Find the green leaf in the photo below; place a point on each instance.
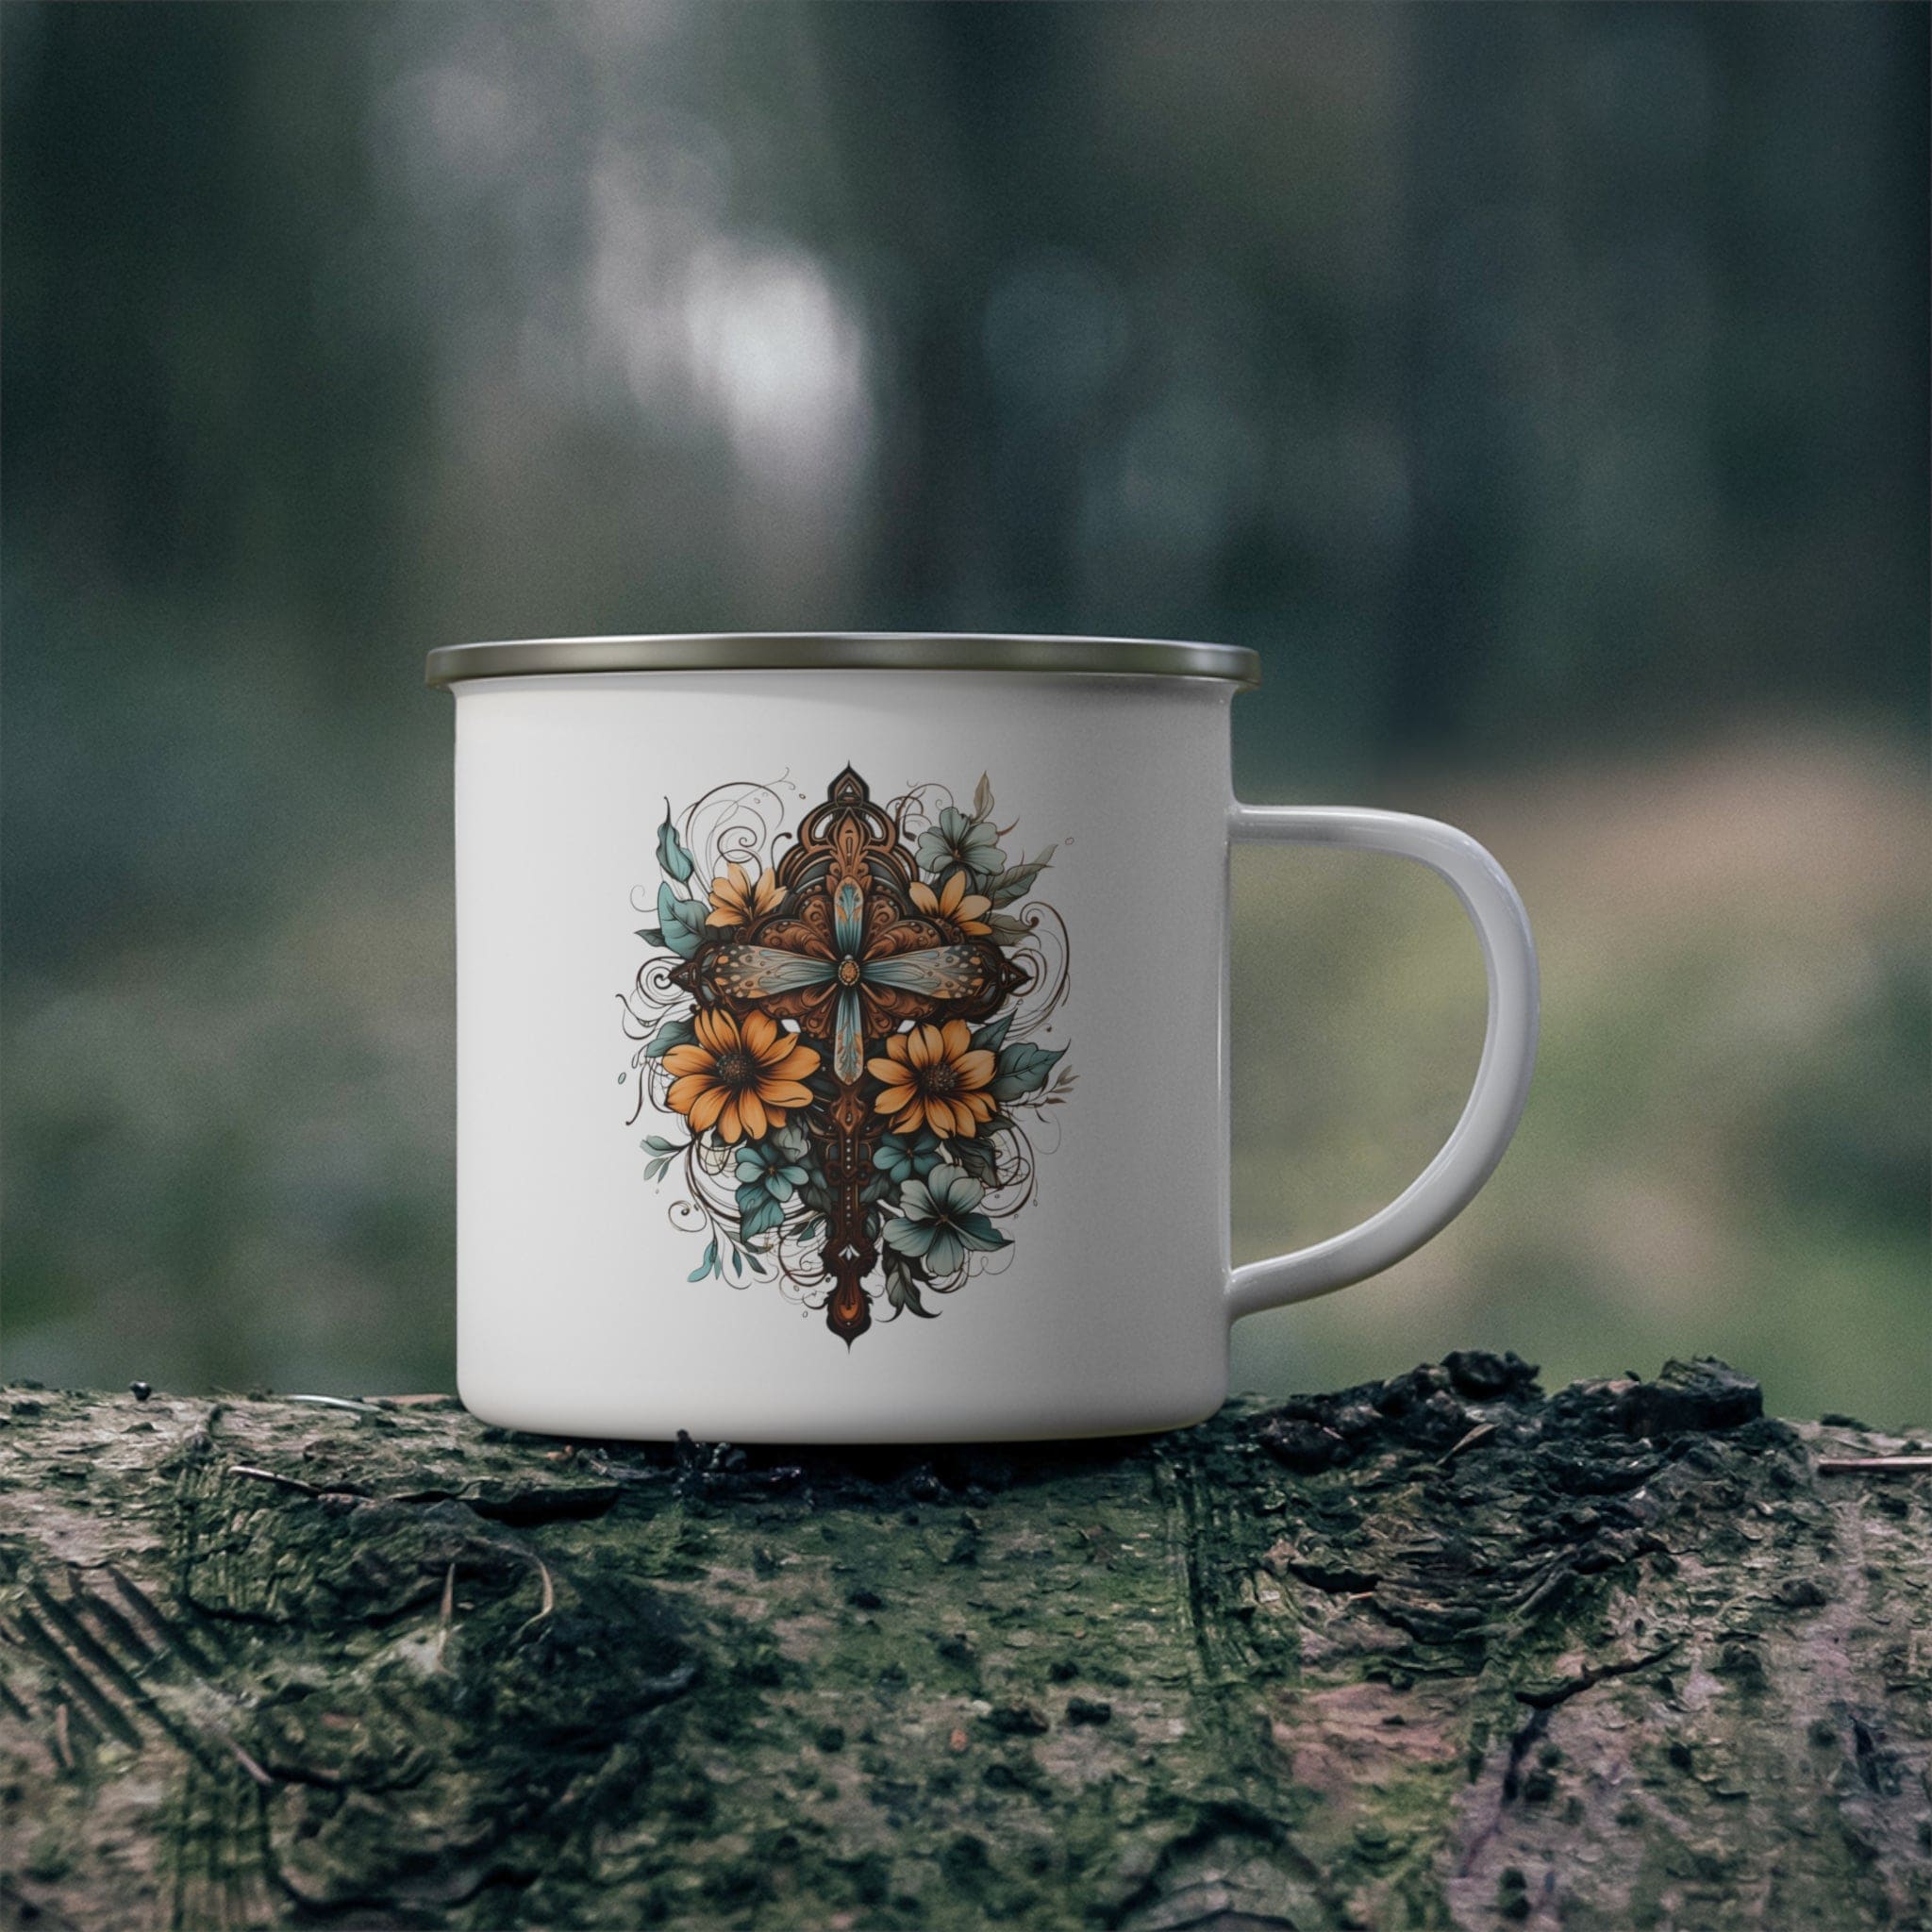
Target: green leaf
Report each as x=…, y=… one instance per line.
x=651, y=935
x=1022, y=1069
x=659, y=1145
x=1017, y=880
x=1006, y=930
x=671, y=853
x=978, y=1158
x=766, y=1215
x=902, y=1288
x=677, y=1031
x=982, y=798
x=993, y=1036
x=708, y=1264
x=683, y=921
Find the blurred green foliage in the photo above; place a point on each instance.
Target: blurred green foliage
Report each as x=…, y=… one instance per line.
x=1542, y=390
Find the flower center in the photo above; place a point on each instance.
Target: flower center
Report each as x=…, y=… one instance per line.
x=734, y=1069
x=848, y=972
x=941, y=1081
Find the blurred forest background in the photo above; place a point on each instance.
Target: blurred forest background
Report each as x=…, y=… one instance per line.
x=1542, y=390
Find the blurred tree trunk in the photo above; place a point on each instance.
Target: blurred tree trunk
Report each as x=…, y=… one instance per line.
x=1441, y=1651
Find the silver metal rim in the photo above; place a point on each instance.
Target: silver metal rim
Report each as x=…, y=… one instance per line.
x=843, y=651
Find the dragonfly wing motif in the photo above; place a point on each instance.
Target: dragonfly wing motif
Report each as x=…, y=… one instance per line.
x=848, y=1048
x=755, y=973
x=848, y=917
x=936, y=973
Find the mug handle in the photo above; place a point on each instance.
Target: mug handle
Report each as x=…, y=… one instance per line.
x=1469, y=1157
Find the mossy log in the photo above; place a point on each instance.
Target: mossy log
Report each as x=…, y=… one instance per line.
x=1437, y=1652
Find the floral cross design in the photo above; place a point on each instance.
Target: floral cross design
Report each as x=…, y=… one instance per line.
x=840, y=1025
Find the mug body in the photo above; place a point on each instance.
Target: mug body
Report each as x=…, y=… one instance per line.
x=793, y=1105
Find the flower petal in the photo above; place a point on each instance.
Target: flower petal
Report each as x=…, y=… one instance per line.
x=730, y=1124
x=955, y=1190
x=945, y=1252
x=894, y=1073
x=977, y=1231
x=686, y=1092
x=760, y=1034
x=956, y=1038
x=751, y=1114
x=915, y=1199
x=715, y=1028
x=975, y=1069
x=910, y=1237
x=799, y=1061
x=710, y=1103
x=783, y=1092
x=922, y=896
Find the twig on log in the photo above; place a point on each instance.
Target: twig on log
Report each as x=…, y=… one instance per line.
x=448, y=1611
x=549, y=1602
x=268, y=1475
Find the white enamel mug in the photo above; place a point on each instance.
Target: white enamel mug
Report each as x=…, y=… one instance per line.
x=843, y=1036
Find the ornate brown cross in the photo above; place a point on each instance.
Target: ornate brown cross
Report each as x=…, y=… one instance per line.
x=849, y=956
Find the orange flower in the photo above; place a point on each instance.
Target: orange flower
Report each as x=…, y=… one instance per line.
x=737, y=899
x=935, y=1078
x=954, y=902
x=743, y=1081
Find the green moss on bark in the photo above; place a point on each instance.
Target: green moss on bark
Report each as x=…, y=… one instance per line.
x=1441, y=1651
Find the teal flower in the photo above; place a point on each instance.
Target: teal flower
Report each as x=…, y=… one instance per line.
x=908, y=1157
x=769, y=1170
x=939, y=1222
x=959, y=842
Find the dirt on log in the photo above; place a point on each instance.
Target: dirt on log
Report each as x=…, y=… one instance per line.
x=1441, y=1651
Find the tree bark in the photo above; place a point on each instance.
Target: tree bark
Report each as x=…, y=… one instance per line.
x=1437, y=1652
